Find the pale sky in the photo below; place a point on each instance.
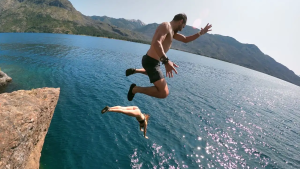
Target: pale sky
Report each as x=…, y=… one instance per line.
x=272, y=25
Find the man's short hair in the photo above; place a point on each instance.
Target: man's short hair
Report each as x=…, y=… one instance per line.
x=180, y=16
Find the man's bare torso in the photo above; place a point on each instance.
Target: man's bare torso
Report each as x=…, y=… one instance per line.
x=167, y=42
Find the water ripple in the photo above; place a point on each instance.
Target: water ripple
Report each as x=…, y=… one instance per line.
x=218, y=115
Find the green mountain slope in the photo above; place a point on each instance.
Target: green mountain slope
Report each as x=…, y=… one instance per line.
x=222, y=48
x=56, y=16
x=230, y=50
x=121, y=23
x=59, y=16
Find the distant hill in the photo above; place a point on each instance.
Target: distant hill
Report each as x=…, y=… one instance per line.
x=227, y=49
x=122, y=23
x=59, y=16
x=56, y=16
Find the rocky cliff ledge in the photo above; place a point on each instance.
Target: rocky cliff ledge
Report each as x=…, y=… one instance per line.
x=4, y=79
x=25, y=117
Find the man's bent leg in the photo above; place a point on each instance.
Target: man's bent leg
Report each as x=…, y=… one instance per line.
x=133, y=71
x=159, y=90
x=143, y=71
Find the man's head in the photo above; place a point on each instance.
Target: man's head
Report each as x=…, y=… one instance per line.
x=180, y=20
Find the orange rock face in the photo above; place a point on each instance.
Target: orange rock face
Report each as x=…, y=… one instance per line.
x=25, y=117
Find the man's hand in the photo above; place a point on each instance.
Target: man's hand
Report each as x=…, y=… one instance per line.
x=169, y=67
x=205, y=30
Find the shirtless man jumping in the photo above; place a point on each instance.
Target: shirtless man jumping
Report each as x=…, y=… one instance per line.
x=161, y=43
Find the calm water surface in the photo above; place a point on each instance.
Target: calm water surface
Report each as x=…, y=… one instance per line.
x=218, y=115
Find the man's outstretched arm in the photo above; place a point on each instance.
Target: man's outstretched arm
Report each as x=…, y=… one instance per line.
x=187, y=39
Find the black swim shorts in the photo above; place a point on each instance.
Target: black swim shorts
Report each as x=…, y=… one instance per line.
x=152, y=67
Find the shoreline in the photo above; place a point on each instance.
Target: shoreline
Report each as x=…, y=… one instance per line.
x=148, y=42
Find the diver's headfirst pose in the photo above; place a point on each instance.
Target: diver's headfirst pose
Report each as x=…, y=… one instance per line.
x=132, y=111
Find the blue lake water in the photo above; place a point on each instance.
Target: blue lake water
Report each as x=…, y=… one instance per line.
x=218, y=115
